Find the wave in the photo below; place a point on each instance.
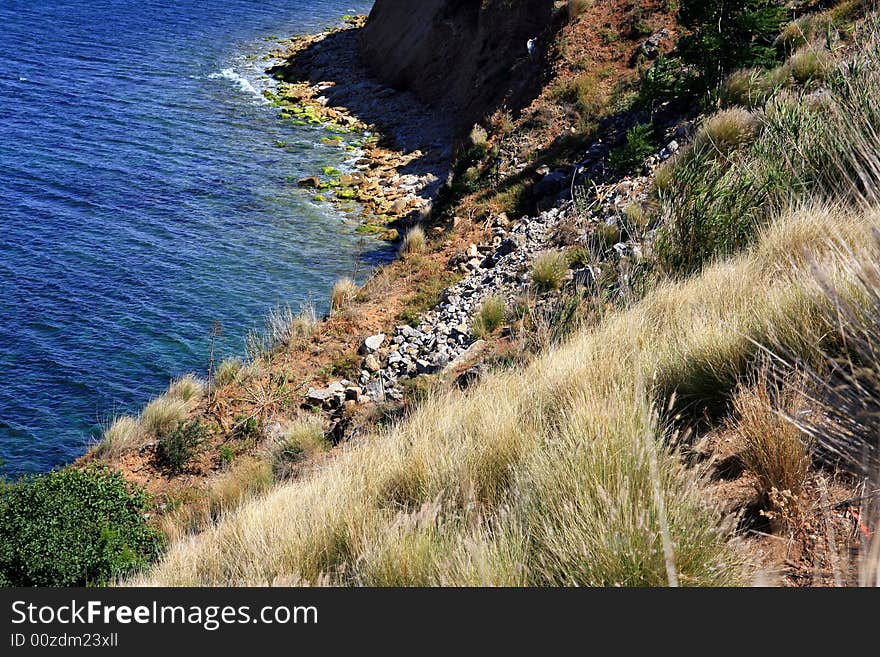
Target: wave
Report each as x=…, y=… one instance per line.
x=244, y=84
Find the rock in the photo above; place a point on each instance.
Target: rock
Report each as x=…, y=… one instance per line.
x=373, y=343
x=585, y=278
x=425, y=367
x=376, y=390
x=353, y=393
x=321, y=397
x=312, y=181
x=470, y=376
x=371, y=364
x=508, y=246
x=469, y=355
x=651, y=47
x=551, y=184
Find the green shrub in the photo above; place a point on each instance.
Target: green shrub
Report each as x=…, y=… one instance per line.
x=639, y=145
x=246, y=428
x=725, y=36
x=73, y=527
x=177, y=448
x=667, y=79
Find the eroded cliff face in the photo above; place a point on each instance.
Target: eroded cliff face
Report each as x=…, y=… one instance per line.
x=471, y=56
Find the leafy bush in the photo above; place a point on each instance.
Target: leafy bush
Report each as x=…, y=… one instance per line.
x=73, y=527
x=668, y=79
x=246, y=428
x=729, y=35
x=639, y=145
x=178, y=447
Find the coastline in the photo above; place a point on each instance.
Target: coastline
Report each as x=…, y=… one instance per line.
x=405, y=155
x=418, y=310
x=393, y=186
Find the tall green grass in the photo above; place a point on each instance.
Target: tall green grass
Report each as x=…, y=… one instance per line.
x=819, y=143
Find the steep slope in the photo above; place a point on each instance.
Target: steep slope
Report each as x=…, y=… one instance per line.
x=471, y=55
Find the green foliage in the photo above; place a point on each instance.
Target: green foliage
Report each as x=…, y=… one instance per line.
x=177, y=448
x=806, y=146
x=725, y=36
x=639, y=145
x=246, y=428
x=666, y=80
x=73, y=527
x=226, y=454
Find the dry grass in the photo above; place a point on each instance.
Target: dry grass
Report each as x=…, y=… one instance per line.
x=162, y=415
x=302, y=439
x=775, y=450
x=489, y=317
x=282, y=328
x=810, y=64
x=123, y=435
x=533, y=476
x=188, y=389
x=342, y=294
x=549, y=271
x=246, y=479
x=229, y=371
x=727, y=131
x=414, y=241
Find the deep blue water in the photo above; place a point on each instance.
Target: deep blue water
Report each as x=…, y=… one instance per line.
x=144, y=196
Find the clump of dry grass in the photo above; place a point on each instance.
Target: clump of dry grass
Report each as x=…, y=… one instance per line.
x=727, y=130
x=342, y=294
x=188, y=388
x=282, y=328
x=228, y=372
x=549, y=271
x=489, y=317
x=123, y=435
x=752, y=87
x=775, y=450
x=162, y=414
x=810, y=64
x=302, y=439
x=414, y=241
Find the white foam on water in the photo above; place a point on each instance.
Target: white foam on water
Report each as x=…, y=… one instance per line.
x=244, y=84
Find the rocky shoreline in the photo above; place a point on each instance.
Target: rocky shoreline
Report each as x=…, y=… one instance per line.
x=400, y=149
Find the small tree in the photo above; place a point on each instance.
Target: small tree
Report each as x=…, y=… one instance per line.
x=729, y=34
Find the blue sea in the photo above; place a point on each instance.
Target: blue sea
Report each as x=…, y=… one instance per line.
x=147, y=191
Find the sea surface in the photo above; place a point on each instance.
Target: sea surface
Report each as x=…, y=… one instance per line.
x=147, y=190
